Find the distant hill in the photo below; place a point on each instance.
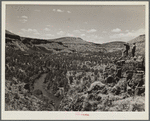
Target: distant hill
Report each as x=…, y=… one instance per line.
x=113, y=46
x=64, y=44
x=9, y=33
x=68, y=44
x=139, y=39
x=140, y=44
x=117, y=45
x=69, y=40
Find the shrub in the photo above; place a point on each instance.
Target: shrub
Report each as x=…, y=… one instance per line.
x=38, y=92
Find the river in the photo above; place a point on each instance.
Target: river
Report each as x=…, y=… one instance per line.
x=38, y=84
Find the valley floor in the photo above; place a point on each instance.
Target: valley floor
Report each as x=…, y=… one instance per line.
x=75, y=82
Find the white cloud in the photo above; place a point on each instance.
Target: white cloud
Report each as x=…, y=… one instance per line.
x=127, y=31
x=86, y=22
x=22, y=19
x=82, y=35
x=68, y=34
x=141, y=31
x=37, y=10
x=117, y=35
x=68, y=12
x=50, y=35
x=128, y=35
x=104, y=32
x=82, y=30
x=91, y=31
x=30, y=30
x=58, y=10
x=116, y=30
x=23, y=30
x=93, y=38
x=25, y=17
x=46, y=29
x=76, y=31
x=36, y=33
x=34, y=30
x=60, y=33
x=20, y=33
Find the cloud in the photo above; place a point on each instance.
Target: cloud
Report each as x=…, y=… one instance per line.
x=104, y=32
x=116, y=30
x=23, y=30
x=76, y=31
x=37, y=10
x=140, y=31
x=23, y=19
x=20, y=33
x=36, y=33
x=82, y=30
x=46, y=29
x=82, y=35
x=127, y=31
x=91, y=31
x=30, y=30
x=128, y=35
x=118, y=35
x=68, y=12
x=86, y=22
x=50, y=35
x=58, y=10
x=94, y=38
x=68, y=34
x=60, y=33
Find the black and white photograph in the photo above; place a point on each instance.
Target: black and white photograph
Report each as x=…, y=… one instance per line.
x=79, y=60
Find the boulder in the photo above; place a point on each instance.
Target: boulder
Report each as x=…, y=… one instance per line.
x=129, y=75
x=118, y=74
x=120, y=63
x=37, y=92
x=109, y=79
x=15, y=80
x=27, y=86
x=97, y=85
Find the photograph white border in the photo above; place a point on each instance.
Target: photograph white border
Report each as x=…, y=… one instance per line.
x=63, y=115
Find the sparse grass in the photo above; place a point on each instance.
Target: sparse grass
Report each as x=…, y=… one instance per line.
x=75, y=73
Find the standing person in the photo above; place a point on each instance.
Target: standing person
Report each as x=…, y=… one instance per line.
x=133, y=50
x=127, y=48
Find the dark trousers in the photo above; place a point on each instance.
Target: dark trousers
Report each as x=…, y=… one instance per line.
x=133, y=53
x=126, y=51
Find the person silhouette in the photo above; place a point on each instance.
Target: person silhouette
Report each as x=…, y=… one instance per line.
x=133, y=50
x=127, y=48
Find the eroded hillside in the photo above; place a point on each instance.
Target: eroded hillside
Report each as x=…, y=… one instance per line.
x=39, y=78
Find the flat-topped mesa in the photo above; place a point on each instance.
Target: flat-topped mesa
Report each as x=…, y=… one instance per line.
x=69, y=40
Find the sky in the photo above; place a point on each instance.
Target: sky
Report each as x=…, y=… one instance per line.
x=93, y=23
